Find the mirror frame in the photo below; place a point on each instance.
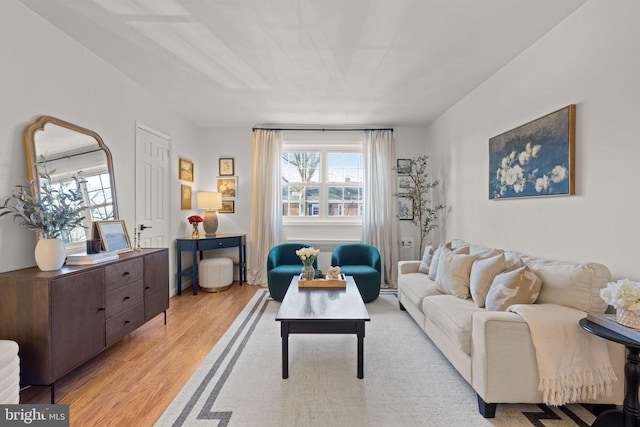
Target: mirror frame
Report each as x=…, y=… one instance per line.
x=32, y=157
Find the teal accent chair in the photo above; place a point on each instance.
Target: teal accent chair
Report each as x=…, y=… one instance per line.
x=282, y=265
x=363, y=263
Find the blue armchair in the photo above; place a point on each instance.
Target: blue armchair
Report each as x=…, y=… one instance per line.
x=282, y=265
x=363, y=263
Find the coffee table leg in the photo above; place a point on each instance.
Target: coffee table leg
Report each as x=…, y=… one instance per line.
x=360, y=333
x=284, y=333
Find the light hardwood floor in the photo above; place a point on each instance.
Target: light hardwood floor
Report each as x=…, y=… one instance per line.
x=134, y=380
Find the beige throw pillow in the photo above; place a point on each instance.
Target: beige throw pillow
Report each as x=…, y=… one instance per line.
x=453, y=273
x=520, y=286
x=483, y=272
x=426, y=258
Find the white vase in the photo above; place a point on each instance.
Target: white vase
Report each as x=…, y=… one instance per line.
x=50, y=254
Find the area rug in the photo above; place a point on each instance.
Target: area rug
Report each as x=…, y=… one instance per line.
x=407, y=381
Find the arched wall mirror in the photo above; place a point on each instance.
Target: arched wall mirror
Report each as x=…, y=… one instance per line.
x=65, y=151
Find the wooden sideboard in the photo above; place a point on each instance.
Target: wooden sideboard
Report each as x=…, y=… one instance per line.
x=62, y=318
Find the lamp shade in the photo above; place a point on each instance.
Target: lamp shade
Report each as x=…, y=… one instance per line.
x=209, y=200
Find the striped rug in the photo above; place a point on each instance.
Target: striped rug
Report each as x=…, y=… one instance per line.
x=407, y=381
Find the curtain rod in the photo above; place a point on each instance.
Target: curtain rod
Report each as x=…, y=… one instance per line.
x=324, y=129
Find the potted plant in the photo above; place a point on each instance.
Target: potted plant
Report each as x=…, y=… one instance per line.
x=51, y=212
x=423, y=211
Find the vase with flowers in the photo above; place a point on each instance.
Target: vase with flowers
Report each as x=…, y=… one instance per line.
x=624, y=295
x=195, y=220
x=51, y=211
x=307, y=256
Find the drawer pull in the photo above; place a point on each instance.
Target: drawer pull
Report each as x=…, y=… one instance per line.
x=147, y=287
x=101, y=309
x=126, y=322
x=126, y=273
x=125, y=298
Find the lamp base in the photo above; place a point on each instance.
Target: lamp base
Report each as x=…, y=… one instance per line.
x=210, y=223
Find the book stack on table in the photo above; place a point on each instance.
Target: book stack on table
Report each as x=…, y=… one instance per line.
x=90, y=259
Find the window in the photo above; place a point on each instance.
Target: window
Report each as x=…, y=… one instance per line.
x=96, y=193
x=322, y=183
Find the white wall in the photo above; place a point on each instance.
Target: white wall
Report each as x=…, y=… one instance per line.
x=591, y=60
x=44, y=72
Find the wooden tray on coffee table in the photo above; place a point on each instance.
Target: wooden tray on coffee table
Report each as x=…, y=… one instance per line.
x=341, y=282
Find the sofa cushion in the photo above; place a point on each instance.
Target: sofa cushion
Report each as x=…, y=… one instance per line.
x=453, y=273
x=573, y=284
x=426, y=258
x=519, y=286
x=416, y=286
x=454, y=316
x=483, y=272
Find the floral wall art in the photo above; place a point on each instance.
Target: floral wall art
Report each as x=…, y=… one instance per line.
x=535, y=159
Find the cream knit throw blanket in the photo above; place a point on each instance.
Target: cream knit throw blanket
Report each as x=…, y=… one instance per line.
x=574, y=365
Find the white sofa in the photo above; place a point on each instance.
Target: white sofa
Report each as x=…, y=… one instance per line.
x=493, y=350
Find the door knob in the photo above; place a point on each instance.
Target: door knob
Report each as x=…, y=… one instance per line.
x=143, y=227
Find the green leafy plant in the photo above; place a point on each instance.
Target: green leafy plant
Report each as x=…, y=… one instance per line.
x=51, y=212
x=419, y=189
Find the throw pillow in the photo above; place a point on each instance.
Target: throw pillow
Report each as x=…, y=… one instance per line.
x=433, y=267
x=453, y=273
x=483, y=271
x=426, y=258
x=520, y=286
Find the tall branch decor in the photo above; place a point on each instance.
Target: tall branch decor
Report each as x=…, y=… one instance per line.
x=418, y=188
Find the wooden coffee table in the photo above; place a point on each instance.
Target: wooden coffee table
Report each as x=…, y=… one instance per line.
x=322, y=311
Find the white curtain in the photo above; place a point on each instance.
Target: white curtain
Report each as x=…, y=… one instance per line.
x=266, y=217
x=380, y=224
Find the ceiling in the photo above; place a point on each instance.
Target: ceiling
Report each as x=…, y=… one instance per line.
x=323, y=62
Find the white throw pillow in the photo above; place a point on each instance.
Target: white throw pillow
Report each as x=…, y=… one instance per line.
x=520, y=286
x=426, y=258
x=483, y=271
x=453, y=273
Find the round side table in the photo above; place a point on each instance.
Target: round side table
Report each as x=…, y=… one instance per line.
x=630, y=414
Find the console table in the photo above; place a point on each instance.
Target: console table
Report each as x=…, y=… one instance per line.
x=630, y=414
x=197, y=245
x=60, y=319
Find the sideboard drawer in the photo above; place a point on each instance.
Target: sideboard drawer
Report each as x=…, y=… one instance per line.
x=123, y=273
x=121, y=324
x=123, y=298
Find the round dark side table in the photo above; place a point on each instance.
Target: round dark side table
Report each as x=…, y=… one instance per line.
x=630, y=414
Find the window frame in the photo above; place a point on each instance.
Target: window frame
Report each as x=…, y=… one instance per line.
x=324, y=148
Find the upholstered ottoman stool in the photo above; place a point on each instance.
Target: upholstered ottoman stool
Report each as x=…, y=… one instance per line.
x=9, y=373
x=215, y=274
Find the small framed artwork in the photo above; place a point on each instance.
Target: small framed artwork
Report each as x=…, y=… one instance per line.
x=114, y=236
x=405, y=208
x=228, y=187
x=404, y=182
x=535, y=159
x=185, y=168
x=228, y=207
x=185, y=197
x=226, y=166
x=403, y=166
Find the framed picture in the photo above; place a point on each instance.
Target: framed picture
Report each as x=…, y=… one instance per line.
x=403, y=166
x=185, y=169
x=535, y=159
x=228, y=187
x=228, y=207
x=405, y=208
x=226, y=166
x=185, y=197
x=114, y=236
x=404, y=182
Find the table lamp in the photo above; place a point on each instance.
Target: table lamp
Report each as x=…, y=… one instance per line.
x=211, y=202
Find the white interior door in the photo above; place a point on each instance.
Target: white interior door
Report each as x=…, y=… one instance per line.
x=152, y=188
